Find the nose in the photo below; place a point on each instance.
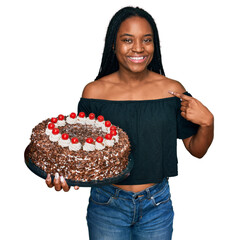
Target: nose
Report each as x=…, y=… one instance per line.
x=138, y=46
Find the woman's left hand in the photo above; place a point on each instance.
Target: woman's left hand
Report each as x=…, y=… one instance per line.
x=193, y=110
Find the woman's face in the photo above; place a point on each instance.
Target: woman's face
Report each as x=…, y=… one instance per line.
x=134, y=44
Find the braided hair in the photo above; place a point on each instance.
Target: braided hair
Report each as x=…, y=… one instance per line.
x=109, y=62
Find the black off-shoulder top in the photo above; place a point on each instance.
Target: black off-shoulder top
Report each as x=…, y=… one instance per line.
x=153, y=127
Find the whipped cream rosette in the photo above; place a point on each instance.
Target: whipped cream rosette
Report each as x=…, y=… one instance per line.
x=81, y=118
x=64, y=141
x=108, y=140
x=61, y=121
x=89, y=145
x=49, y=128
x=55, y=135
x=91, y=119
x=74, y=144
x=71, y=119
x=99, y=144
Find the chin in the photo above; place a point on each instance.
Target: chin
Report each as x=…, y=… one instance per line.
x=138, y=69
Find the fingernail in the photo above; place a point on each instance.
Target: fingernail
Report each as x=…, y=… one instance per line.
x=56, y=175
x=62, y=179
x=170, y=92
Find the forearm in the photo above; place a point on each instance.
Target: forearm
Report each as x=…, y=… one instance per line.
x=202, y=140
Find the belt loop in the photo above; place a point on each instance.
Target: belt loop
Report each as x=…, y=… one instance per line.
x=117, y=193
x=148, y=193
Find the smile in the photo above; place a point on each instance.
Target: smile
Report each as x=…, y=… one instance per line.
x=137, y=59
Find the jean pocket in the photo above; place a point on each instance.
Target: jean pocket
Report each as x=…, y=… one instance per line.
x=100, y=197
x=161, y=197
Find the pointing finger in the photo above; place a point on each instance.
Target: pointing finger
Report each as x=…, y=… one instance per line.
x=180, y=95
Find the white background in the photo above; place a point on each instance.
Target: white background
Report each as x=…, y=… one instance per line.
x=49, y=50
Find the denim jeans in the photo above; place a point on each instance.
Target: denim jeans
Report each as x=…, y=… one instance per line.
x=115, y=214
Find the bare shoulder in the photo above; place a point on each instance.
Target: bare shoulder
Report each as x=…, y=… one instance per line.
x=162, y=85
x=97, y=89
x=90, y=90
x=174, y=85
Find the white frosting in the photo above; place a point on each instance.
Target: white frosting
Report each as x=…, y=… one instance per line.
x=81, y=120
x=56, y=124
x=116, y=138
x=90, y=121
x=55, y=138
x=61, y=123
x=109, y=143
x=48, y=131
x=106, y=129
x=100, y=124
x=99, y=146
x=71, y=120
x=89, y=147
x=78, y=146
x=64, y=143
x=75, y=146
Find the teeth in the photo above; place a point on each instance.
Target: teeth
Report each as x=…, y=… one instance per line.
x=136, y=58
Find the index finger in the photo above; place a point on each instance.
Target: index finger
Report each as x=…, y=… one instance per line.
x=180, y=95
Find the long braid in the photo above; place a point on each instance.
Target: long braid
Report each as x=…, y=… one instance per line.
x=109, y=62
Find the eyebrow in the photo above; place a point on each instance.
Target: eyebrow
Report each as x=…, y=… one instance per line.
x=130, y=35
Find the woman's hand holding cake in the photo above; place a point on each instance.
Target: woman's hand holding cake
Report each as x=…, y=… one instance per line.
x=59, y=183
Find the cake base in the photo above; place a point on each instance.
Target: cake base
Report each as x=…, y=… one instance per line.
x=125, y=173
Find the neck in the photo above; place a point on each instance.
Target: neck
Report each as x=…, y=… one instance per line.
x=132, y=77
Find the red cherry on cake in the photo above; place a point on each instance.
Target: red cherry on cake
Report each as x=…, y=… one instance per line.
x=113, y=127
x=73, y=115
x=54, y=120
x=74, y=140
x=64, y=136
x=99, y=139
x=107, y=123
x=108, y=136
x=61, y=117
x=81, y=114
x=89, y=140
x=91, y=116
x=51, y=126
x=55, y=131
x=113, y=132
x=100, y=118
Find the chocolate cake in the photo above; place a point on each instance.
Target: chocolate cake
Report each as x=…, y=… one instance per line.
x=79, y=148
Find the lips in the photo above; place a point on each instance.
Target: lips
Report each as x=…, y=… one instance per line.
x=137, y=59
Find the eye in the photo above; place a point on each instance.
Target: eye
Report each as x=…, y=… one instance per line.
x=148, y=40
x=127, y=40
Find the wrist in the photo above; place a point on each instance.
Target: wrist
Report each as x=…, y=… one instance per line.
x=208, y=122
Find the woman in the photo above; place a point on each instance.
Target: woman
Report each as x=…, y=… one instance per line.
x=133, y=93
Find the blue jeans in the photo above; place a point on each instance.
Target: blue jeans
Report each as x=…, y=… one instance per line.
x=115, y=214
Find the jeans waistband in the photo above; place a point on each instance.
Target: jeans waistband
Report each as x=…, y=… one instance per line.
x=146, y=193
